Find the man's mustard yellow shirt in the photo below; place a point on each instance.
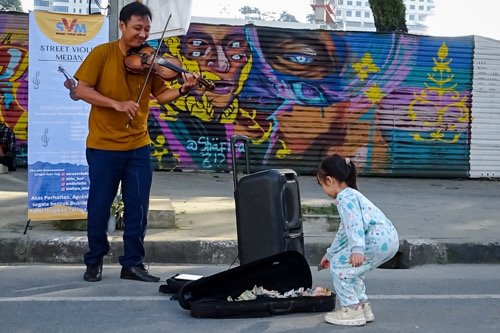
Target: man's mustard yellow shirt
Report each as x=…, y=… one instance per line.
x=104, y=69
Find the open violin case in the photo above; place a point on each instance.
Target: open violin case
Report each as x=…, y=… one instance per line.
x=282, y=272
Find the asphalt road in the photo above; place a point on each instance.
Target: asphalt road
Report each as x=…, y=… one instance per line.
x=54, y=298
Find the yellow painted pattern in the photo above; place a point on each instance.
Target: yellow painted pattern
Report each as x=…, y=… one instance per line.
x=365, y=66
x=440, y=83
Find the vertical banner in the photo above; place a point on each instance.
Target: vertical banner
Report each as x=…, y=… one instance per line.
x=57, y=120
x=180, y=12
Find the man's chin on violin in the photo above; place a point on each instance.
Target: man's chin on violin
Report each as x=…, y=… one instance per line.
x=135, y=33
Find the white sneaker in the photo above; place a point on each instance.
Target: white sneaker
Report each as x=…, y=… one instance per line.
x=4, y=168
x=367, y=309
x=347, y=316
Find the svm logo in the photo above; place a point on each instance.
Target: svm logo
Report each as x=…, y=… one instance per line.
x=72, y=29
x=69, y=29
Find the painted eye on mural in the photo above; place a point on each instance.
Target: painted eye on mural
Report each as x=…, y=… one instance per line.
x=197, y=42
x=308, y=94
x=301, y=59
x=196, y=54
x=236, y=45
x=237, y=57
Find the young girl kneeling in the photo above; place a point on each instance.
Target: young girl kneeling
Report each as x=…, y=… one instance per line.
x=365, y=239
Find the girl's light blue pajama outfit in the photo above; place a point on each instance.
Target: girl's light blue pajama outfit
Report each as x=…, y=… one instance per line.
x=363, y=229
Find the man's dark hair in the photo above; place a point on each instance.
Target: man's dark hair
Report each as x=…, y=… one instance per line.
x=134, y=8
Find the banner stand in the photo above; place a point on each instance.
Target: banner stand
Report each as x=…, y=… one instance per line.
x=58, y=181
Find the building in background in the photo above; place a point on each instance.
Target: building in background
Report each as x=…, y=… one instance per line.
x=356, y=15
x=68, y=6
x=325, y=16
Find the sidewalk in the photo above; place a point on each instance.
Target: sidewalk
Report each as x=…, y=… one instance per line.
x=438, y=220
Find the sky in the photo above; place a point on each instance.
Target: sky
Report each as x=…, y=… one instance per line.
x=452, y=17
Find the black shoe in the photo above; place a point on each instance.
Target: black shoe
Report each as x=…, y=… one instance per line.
x=93, y=272
x=138, y=273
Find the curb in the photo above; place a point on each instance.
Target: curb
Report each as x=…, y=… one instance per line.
x=47, y=249
x=421, y=252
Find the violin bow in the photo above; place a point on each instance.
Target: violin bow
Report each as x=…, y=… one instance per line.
x=152, y=65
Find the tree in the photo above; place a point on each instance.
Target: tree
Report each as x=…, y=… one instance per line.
x=11, y=5
x=311, y=18
x=246, y=10
x=287, y=17
x=389, y=15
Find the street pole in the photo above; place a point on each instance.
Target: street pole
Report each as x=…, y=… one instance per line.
x=114, y=17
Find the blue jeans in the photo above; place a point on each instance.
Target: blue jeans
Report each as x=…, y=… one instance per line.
x=106, y=169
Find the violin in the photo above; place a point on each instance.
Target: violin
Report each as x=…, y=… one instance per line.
x=70, y=83
x=139, y=60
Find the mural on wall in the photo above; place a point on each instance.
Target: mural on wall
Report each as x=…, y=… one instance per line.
x=396, y=103
x=197, y=128
x=13, y=78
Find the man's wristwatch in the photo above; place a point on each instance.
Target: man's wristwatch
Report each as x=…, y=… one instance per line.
x=183, y=93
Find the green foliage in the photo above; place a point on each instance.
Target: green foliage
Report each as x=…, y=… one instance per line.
x=323, y=210
x=287, y=17
x=11, y=5
x=117, y=209
x=311, y=18
x=284, y=16
x=389, y=15
x=246, y=10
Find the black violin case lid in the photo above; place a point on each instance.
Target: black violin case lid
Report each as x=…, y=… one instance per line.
x=207, y=297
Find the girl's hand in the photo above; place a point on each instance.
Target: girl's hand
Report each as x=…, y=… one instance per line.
x=356, y=259
x=324, y=263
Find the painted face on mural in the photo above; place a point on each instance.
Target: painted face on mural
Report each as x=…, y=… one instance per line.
x=301, y=125
x=307, y=68
x=302, y=57
x=308, y=65
x=221, y=54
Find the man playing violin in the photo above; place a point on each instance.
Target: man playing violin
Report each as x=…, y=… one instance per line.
x=118, y=141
